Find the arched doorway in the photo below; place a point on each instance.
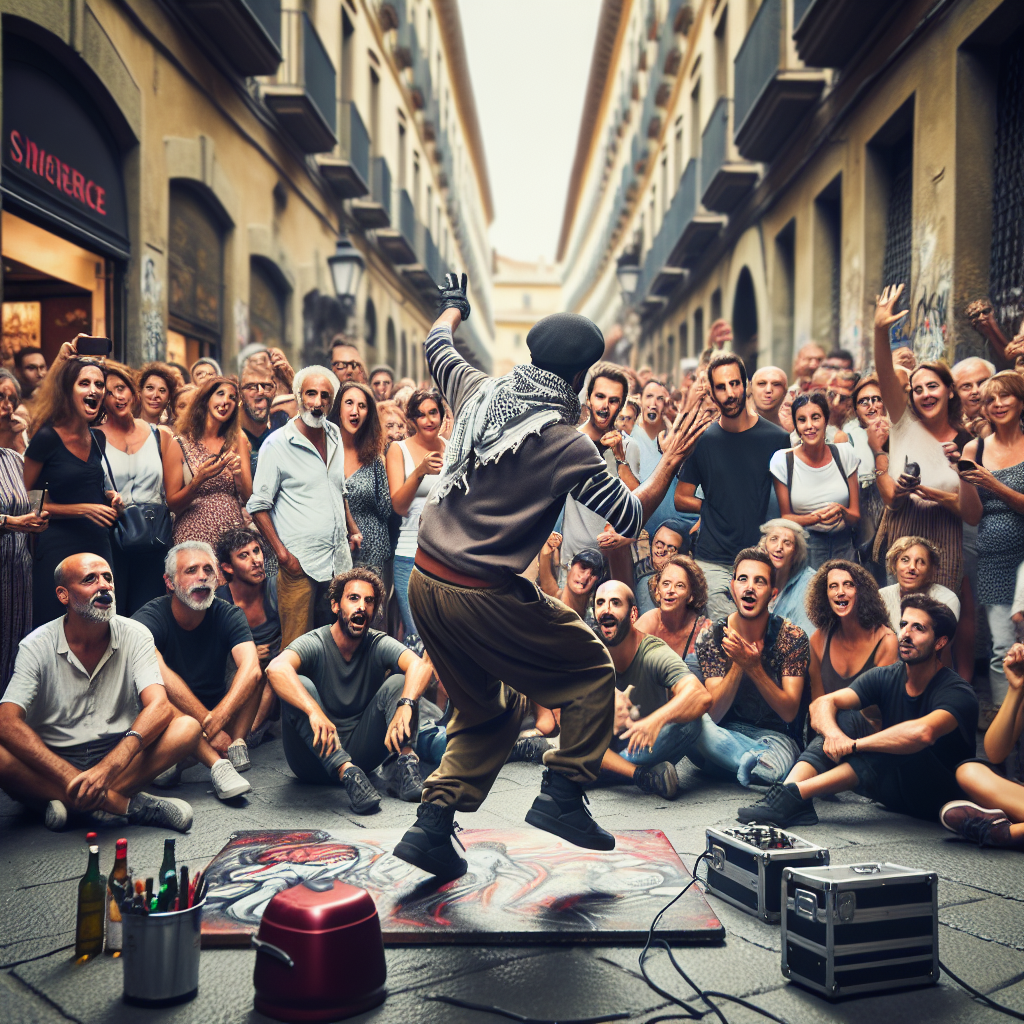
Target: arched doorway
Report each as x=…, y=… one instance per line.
x=744, y=321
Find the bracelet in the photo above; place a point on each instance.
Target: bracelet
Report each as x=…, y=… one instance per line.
x=854, y=751
x=621, y=462
x=137, y=735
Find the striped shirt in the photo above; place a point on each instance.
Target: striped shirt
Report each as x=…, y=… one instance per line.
x=499, y=525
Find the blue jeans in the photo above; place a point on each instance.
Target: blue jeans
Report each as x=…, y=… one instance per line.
x=821, y=547
x=674, y=742
x=403, y=570
x=758, y=755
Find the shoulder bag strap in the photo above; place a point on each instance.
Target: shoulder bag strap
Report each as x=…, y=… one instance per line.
x=790, y=458
x=839, y=465
x=981, y=451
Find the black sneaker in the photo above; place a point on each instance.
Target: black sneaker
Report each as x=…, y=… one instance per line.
x=428, y=844
x=361, y=794
x=530, y=748
x=402, y=778
x=781, y=806
x=658, y=778
x=560, y=810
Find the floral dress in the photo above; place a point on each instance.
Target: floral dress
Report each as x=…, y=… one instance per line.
x=369, y=501
x=216, y=507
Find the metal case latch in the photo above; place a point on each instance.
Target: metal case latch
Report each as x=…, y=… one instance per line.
x=806, y=904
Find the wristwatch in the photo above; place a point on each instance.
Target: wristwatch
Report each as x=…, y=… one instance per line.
x=408, y=701
x=854, y=751
x=621, y=462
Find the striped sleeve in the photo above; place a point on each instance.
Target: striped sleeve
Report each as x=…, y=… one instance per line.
x=456, y=378
x=613, y=501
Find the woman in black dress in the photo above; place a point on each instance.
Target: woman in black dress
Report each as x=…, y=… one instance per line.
x=65, y=458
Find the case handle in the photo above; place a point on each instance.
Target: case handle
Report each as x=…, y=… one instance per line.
x=805, y=903
x=277, y=953
x=866, y=869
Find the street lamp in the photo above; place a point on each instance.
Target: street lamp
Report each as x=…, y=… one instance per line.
x=346, y=266
x=627, y=270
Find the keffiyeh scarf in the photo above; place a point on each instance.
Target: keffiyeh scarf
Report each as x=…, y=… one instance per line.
x=499, y=417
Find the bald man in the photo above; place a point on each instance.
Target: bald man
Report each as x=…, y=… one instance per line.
x=968, y=376
x=767, y=392
x=807, y=360
x=658, y=701
x=85, y=722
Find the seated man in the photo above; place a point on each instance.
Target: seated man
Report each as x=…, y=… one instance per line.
x=201, y=642
x=652, y=683
x=994, y=814
x=754, y=666
x=671, y=538
x=585, y=572
x=929, y=718
x=347, y=703
x=85, y=722
x=240, y=556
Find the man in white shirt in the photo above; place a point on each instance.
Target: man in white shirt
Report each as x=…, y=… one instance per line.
x=298, y=502
x=85, y=722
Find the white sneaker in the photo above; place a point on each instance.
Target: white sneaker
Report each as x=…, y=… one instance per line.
x=227, y=783
x=56, y=816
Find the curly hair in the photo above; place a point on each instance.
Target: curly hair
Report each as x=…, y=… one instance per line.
x=55, y=403
x=903, y=544
x=871, y=611
x=698, y=584
x=192, y=421
x=336, y=589
x=127, y=377
x=416, y=399
x=168, y=374
x=369, y=438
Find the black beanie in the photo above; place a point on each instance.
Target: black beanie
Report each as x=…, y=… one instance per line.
x=565, y=343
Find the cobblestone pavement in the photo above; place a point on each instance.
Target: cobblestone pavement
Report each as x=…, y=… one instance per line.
x=981, y=896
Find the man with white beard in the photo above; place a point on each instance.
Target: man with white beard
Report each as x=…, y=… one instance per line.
x=85, y=722
x=196, y=636
x=298, y=502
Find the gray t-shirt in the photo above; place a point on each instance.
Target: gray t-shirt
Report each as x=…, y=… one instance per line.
x=652, y=673
x=346, y=687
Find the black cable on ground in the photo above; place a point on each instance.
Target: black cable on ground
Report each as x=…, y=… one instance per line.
x=979, y=995
x=38, y=956
x=483, y=1007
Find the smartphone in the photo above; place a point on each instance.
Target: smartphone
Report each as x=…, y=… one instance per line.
x=89, y=346
x=965, y=465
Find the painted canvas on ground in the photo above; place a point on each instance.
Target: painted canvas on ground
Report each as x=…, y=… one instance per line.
x=523, y=885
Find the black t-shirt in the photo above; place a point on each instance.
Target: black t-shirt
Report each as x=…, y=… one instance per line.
x=269, y=631
x=887, y=687
x=65, y=476
x=732, y=469
x=201, y=655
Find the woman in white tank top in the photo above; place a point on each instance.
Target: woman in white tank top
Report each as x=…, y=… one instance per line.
x=413, y=468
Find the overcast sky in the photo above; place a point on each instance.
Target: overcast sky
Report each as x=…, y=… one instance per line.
x=529, y=60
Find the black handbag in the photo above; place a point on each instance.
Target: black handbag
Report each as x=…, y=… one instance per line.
x=142, y=525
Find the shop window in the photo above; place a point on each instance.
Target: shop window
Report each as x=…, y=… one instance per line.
x=195, y=276
x=266, y=306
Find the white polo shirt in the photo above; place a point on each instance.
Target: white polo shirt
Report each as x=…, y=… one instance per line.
x=63, y=703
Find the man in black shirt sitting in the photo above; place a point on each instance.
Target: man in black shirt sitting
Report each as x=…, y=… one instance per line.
x=929, y=720
x=241, y=558
x=199, y=638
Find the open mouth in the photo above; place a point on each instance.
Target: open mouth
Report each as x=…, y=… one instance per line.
x=92, y=402
x=103, y=600
x=841, y=604
x=200, y=593
x=748, y=602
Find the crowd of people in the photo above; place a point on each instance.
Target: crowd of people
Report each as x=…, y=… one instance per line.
x=787, y=579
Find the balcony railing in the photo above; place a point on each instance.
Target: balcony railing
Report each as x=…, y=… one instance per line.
x=348, y=169
x=771, y=96
x=248, y=32
x=829, y=32
x=725, y=182
x=398, y=242
x=374, y=211
x=302, y=93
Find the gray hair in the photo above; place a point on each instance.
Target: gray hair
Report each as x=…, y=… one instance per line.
x=964, y=363
x=800, y=539
x=254, y=348
x=6, y=374
x=171, y=559
x=209, y=362
x=311, y=371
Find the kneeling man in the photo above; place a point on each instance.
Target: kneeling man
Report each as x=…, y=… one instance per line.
x=351, y=697
x=929, y=720
x=85, y=722
x=653, y=679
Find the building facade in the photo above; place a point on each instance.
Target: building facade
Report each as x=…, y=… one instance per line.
x=524, y=292
x=177, y=174
x=776, y=162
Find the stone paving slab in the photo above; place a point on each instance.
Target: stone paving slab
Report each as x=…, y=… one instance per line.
x=981, y=895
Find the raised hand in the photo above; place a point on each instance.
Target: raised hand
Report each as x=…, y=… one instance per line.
x=719, y=334
x=453, y=295
x=1013, y=666
x=885, y=313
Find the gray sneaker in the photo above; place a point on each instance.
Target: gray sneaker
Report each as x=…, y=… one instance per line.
x=159, y=811
x=55, y=817
x=402, y=778
x=227, y=783
x=363, y=797
x=238, y=755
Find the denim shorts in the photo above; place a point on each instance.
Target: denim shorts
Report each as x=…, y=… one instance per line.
x=84, y=755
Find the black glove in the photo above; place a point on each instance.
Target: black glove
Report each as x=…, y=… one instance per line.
x=452, y=295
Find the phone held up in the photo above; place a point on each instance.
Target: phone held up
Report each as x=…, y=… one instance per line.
x=85, y=345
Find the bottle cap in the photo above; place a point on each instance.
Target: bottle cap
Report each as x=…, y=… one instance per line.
x=121, y=844
x=90, y=837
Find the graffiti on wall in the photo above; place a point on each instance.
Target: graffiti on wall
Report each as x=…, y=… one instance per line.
x=152, y=312
x=931, y=319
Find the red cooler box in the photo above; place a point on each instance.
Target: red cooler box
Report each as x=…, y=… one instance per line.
x=319, y=954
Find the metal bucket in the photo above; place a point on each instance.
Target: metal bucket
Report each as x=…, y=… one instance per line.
x=161, y=957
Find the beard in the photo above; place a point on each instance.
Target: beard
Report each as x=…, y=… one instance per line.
x=197, y=604
x=315, y=420
x=91, y=611
x=354, y=625
x=621, y=630
x=731, y=407
x=911, y=655
x=260, y=415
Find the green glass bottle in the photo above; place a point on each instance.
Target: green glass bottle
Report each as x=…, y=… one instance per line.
x=168, y=864
x=92, y=903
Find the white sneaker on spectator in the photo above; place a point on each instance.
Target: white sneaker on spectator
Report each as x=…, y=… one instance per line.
x=227, y=783
x=56, y=816
x=238, y=755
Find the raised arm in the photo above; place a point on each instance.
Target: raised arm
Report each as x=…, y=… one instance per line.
x=893, y=395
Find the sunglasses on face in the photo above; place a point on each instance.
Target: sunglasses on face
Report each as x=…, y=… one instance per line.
x=870, y=400
x=259, y=387
x=663, y=549
x=345, y=364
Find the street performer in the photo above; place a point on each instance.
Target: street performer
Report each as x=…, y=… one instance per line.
x=496, y=640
